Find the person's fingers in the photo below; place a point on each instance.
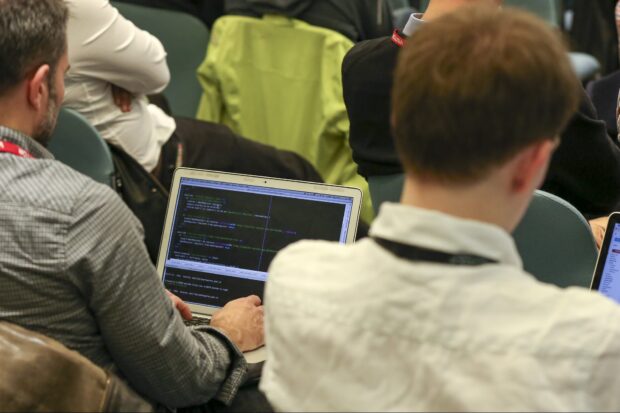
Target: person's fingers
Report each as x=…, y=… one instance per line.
x=126, y=101
x=184, y=309
x=180, y=305
x=122, y=98
x=254, y=299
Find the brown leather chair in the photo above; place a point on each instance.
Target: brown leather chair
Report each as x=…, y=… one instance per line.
x=40, y=374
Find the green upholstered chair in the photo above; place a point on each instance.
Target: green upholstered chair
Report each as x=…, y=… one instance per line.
x=556, y=242
x=77, y=143
x=549, y=10
x=553, y=239
x=385, y=188
x=185, y=39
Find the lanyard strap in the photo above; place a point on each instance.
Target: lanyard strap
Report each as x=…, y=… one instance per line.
x=398, y=39
x=413, y=253
x=13, y=149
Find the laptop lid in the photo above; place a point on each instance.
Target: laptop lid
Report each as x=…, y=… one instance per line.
x=606, y=279
x=222, y=231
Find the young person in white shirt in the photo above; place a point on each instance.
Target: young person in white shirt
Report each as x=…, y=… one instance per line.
x=434, y=312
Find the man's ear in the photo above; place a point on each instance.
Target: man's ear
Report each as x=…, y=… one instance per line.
x=38, y=87
x=531, y=165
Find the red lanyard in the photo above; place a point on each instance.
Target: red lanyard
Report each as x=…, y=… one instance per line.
x=398, y=39
x=8, y=147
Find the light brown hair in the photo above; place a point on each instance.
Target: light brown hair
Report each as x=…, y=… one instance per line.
x=475, y=87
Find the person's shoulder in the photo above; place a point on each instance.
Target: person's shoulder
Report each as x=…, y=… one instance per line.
x=52, y=185
x=81, y=8
x=380, y=50
x=579, y=320
x=309, y=250
x=313, y=261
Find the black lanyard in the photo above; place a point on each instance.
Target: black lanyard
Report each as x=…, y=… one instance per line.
x=413, y=253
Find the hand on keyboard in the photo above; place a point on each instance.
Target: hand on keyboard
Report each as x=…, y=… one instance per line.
x=242, y=322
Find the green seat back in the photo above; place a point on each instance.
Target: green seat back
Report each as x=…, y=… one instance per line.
x=185, y=39
x=77, y=143
x=385, y=188
x=553, y=239
x=556, y=242
x=548, y=10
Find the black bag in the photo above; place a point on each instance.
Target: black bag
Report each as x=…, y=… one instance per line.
x=144, y=196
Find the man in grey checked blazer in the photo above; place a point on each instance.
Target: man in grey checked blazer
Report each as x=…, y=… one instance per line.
x=72, y=264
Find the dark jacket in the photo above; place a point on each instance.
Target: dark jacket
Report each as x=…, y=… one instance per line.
x=585, y=169
x=356, y=19
x=594, y=31
x=604, y=95
x=206, y=10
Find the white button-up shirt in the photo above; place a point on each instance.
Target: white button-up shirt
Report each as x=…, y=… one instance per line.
x=106, y=49
x=354, y=328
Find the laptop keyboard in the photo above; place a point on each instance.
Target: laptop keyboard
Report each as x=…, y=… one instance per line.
x=197, y=321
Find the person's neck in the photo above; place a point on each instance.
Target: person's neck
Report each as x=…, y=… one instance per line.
x=482, y=202
x=16, y=116
x=438, y=8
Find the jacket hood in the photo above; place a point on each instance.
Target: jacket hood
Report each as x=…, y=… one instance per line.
x=290, y=8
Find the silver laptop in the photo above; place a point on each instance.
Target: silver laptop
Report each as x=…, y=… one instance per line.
x=223, y=230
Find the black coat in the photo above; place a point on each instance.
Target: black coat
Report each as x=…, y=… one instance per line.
x=594, y=31
x=356, y=19
x=206, y=10
x=585, y=169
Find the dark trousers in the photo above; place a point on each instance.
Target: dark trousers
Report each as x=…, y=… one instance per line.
x=205, y=145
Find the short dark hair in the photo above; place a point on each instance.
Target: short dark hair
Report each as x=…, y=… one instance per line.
x=475, y=87
x=32, y=33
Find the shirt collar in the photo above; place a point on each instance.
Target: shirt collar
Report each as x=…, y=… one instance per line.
x=446, y=233
x=33, y=147
x=414, y=23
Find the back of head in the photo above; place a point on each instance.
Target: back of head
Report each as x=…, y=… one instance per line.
x=32, y=33
x=474, y=88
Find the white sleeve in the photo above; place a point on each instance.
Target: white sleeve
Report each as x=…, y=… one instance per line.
x=104, y=45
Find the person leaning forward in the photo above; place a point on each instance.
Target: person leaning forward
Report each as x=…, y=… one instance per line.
x=434, y=311
x=73, y=266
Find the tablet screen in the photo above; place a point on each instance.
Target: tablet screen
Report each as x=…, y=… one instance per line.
x=609, y=282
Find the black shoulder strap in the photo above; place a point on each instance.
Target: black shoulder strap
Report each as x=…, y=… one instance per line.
x=413, y=253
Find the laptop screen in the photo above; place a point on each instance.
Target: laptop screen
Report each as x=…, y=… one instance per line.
x=609, y=284
x=225, y=235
